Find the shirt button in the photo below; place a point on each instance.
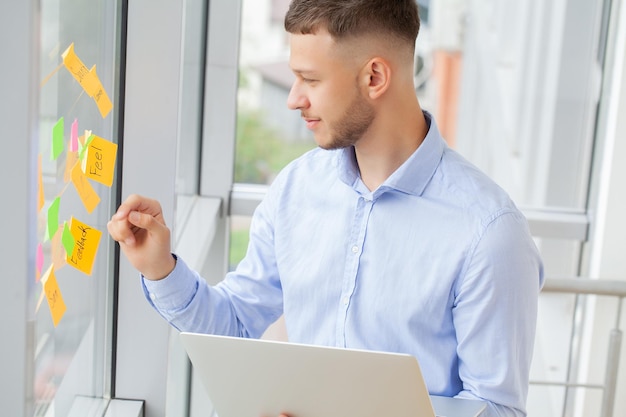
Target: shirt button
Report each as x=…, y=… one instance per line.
x=152, y=296
x=345, y=301
x=355, y=249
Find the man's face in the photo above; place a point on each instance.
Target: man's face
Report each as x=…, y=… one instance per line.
x=326, y=91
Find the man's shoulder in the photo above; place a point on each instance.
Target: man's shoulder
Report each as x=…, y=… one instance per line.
x=470, y=187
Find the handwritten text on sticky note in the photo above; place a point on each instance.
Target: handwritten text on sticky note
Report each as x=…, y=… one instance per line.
x=88, y=79
x=53, y=295
x=101, y=97
x=79, y=71
x=99, y=162
x=86, y=240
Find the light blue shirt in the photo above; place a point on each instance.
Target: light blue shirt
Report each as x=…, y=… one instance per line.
x=437, y=262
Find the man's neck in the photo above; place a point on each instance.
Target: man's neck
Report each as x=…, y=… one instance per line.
x=384, y=149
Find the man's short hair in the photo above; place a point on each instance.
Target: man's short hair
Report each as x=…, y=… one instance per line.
x=352, y=18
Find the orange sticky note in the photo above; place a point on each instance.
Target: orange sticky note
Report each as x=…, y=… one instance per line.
x=57, y=250
x=100, y=96
x=42, y=200
x=86, y=240
x=99, y=162
x=54, y=296
x=88, y=80
x=87, y=194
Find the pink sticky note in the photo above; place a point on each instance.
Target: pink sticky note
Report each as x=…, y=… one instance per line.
x=74, y=137
x=39, y=260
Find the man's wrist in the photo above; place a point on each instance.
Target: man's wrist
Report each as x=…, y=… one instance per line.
x=162, y=271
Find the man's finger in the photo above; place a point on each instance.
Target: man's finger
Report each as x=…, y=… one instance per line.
x=135, y=202
x=120, y=232
x=149, y=223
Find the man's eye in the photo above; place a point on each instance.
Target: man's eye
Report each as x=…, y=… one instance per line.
x=308, y=80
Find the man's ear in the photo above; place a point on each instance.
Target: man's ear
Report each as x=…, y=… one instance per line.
x=376, y=77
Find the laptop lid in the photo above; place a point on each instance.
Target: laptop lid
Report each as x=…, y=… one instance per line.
x=260, y=378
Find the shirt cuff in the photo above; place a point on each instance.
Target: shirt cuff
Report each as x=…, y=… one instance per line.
x=175, y=291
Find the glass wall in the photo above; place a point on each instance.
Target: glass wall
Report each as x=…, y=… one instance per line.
x=78, y=119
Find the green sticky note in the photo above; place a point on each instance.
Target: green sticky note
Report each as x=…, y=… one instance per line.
x=53, y=218
x=82, y=149
x=68, y=240
x=57, y=139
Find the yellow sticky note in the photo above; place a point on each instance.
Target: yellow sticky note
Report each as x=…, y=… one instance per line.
x=87, y=194
x=100, y=96
x=87, y=79
x=54, y=296
x=99, y=162
x=86, y=240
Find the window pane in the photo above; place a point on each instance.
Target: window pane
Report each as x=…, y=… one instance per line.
x=269, y=135
x=528, y=95
x=192, y=92
x=73, y=344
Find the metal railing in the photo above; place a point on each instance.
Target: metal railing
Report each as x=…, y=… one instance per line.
x=611, y=288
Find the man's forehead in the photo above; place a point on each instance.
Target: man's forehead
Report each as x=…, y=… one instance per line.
x=308, y=51
x=321, y=48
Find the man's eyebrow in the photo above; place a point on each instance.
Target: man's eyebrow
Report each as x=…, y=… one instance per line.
x=302, y=71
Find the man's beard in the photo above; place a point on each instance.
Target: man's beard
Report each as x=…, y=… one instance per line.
x=353, y=124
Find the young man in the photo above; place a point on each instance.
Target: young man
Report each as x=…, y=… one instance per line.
x=382, y=238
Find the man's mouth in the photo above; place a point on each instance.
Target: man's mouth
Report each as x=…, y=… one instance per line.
x=311, y=123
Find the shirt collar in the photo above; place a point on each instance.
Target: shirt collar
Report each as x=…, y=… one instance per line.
x=412, y=176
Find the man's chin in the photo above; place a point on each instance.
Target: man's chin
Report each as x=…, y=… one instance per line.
x=329, y=144
x=323, y=142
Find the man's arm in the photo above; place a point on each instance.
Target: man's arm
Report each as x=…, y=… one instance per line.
x=244, y=304
x=495, y=315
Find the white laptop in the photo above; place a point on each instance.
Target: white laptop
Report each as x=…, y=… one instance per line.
x=261, y=378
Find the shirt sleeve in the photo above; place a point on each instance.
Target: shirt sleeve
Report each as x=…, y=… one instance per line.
x=244, y=304
x=495, y=315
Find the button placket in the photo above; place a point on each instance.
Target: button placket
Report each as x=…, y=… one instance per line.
x=359, y=229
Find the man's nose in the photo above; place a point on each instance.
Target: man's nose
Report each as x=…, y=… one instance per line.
x=296, y=99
